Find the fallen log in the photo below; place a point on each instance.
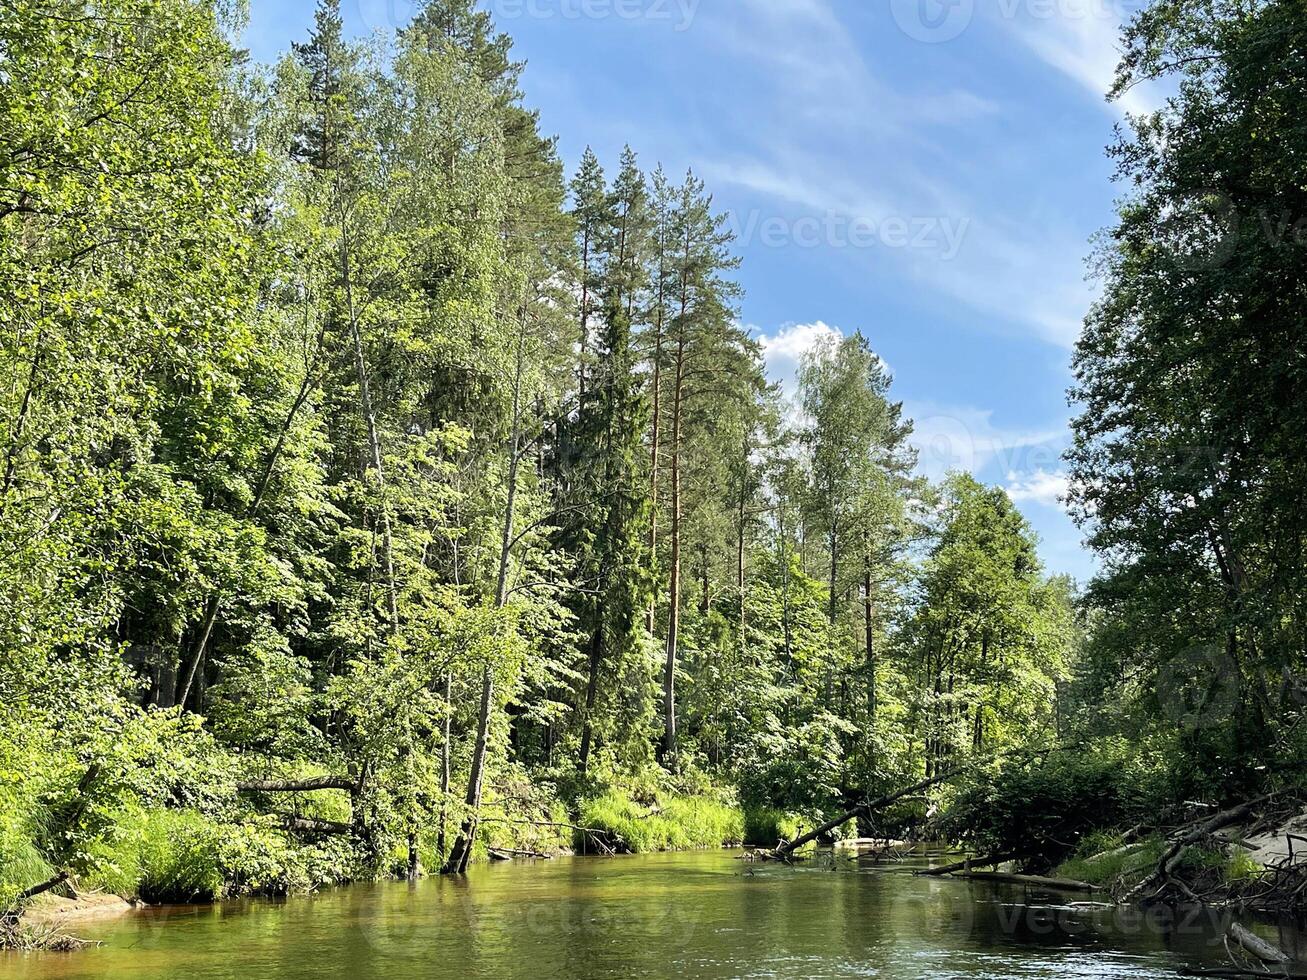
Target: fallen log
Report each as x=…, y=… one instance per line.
x=595, y=835
x=1172, y=856
x=9, y=918
x=988, y=860
x=1005, y=878
x=786, y=848
x=310, y=785
x=512, y=852
x=1256, y=945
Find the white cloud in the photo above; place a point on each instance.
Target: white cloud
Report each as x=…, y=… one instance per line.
x=963, y=437
x=786, y=347
x=1040, y=487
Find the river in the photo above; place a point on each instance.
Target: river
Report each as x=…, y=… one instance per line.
x=704, y=914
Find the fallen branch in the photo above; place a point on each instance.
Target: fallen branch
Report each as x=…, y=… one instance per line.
x=9, y=919
x=1256, y=945
x=309, y=825
x=786, y=848
x=1173, y=855
x=989, y=860
x=596, y=835
x=310, y=785
x=512, y=852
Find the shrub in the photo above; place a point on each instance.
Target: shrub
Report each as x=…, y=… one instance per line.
x=1044, y=807
x=766, y=826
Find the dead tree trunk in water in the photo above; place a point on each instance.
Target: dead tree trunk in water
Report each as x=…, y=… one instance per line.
x=783, y=851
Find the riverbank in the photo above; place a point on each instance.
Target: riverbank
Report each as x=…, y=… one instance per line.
x=184, y=856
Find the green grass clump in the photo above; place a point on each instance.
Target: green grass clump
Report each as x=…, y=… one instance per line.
x=22, y=864
x=1241, y=866
x=178, y=856
x=1102, y=860
x=679, y=823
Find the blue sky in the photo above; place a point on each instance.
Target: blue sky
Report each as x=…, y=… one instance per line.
x=929, y=172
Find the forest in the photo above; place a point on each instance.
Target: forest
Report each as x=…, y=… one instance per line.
x=380, y=496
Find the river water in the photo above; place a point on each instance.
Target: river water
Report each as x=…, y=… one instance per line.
x=704, y=914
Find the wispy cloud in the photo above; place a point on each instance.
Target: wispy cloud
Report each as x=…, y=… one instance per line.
x=1082, y=41
x=966, y=438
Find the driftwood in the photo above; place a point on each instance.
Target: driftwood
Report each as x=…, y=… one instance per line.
x=989, y=860
x=309, y=785
x=505, y=853
x=1256, y=945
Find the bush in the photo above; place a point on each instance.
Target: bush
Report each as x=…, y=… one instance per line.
x=172, y=856
x=767, y=826
x=1044, y=807
x=160, y=856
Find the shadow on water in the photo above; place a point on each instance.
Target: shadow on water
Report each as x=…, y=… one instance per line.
x=702, y=914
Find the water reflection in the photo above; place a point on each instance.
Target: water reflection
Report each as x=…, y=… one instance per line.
x=699, y=915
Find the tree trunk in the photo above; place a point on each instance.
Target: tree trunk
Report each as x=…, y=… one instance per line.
x=445, y=767
x=374, y=438
x=585, y=306
x=591, y=692
x=870, y=639
x=832, y=611
x=461, y=853
x=674, y=579
x=656, y=412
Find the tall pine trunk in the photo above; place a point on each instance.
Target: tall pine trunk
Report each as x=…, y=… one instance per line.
x=674, y=578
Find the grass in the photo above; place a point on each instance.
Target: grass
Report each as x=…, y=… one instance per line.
x=1102, y=860
x=161, y=856
x=22, y=863
x=676, y=823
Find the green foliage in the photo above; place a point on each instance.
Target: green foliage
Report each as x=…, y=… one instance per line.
x=766, y=826
x=1186, y=469
x=1044, y=807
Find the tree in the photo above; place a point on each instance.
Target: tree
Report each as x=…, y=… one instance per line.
x=703, y=345
x=1186, y=471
